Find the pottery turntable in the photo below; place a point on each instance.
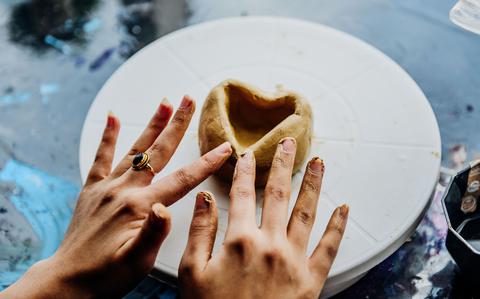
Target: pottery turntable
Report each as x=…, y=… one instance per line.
x=372, y=125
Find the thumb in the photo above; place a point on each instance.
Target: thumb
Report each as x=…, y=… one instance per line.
x=202, y=234
x=154, y=230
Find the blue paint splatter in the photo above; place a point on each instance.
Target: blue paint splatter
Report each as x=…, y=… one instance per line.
x=58, y=44
x=92, y=25
x=48, y=89
x=97, y=63
x=79, y=61
x=46, y=203
x=14, y=97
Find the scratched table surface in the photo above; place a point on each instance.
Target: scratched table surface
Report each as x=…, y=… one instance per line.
x=55, y=56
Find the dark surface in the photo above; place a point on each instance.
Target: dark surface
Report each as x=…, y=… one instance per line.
x=56, y=55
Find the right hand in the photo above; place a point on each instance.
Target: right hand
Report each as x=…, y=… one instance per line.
x=268, y=261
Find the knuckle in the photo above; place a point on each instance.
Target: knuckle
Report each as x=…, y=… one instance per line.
x=340, y=229
x=128, y=207
x=246, y=168
x=180, y=119
x=95, y=176
x=156, y=125
x=304, y=216
x=98, y=157
x=200, y=226
x=186, y=269
x=208, y=163
x=273, y=256
x=310, y=186
x=336, y=228
x=185, y=180
x=241, y=245
x=330, y=251
x=241, y=192
x=109, y=196
x=106, y=139
x=280, y=162
x=162, y=149
x=322, y=268
x=279, y=193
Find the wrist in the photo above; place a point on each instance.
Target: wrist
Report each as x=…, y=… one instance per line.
x=45, y=279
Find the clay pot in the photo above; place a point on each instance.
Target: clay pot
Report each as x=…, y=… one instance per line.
x=250, y=118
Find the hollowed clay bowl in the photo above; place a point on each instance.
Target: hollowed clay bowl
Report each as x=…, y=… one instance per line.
x=250, y=118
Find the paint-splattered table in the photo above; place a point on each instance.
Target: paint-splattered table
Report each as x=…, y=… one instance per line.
x=57, y=54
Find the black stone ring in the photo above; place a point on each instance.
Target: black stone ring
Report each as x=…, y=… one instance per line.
x=141, y=162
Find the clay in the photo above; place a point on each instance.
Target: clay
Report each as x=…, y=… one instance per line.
x=250, y=118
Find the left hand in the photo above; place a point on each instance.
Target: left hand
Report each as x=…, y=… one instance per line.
x=121, y=218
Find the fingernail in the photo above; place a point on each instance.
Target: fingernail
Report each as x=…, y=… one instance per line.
x=110, y=119
x=316, y=165
x=344, y=209
x=159, y=211
x=186, y=102
x=204, y=200
x=164, y=109
x=224, y=148
x=288, y=144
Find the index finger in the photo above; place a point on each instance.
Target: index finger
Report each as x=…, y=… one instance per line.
x=176, y=185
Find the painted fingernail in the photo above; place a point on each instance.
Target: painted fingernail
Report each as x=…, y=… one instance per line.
x=316, y=165
x=186, y=102
x=164, y=109
x=204, y=200
x=224, y=148
x=110, y=119
x=288, y=144
x=344, y=209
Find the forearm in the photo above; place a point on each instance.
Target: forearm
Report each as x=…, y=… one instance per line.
x=43, y=281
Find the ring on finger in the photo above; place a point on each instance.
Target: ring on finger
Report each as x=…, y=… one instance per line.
x=141, y=161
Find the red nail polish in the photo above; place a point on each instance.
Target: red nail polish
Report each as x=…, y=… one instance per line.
x=344, y=209
x=110, y=120
x=164, y=109
x=186, y=103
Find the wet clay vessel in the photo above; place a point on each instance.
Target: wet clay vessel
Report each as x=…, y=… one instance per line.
x=250, y=118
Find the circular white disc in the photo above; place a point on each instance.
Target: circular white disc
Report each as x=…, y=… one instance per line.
x=372, y=125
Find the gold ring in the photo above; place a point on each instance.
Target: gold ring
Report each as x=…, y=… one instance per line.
x=141, y=161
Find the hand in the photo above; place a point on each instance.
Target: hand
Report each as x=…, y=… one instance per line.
x=268, y=261
x=121, y=218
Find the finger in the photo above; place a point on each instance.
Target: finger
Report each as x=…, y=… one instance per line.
x=154, y=230
x=277, y=190
x=305, y=210
x=103, y=160
x=156, y=125
x=165, y=145
x=324, y=254
x=176, y=185
x=202, y=234
x=242, y=194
